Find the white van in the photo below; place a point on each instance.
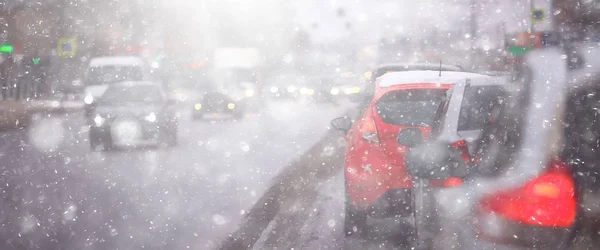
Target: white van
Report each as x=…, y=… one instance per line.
x=103, y=71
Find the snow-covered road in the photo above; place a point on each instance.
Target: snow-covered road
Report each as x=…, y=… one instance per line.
x=56, y=194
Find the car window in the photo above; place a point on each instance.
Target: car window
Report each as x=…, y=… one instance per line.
x=410, y=107
x=477, y=105
x=109, y=74
x=120, y=94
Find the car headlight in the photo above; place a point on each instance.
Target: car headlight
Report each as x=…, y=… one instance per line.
x=230, y=105
x=291, y=89
x=88, y=99
x=274, y=89
x=249, y=93
x=307, y=91
x=197, y=106
x=334, y=91
x=352, y=90
x=99, y=120
x=150, y=117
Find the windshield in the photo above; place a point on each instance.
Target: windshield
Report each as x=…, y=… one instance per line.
x=141, y=94
x=111, y=74
x=287, y=124
x=410, y=107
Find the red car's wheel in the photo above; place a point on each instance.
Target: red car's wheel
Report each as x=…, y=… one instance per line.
x=355, y=221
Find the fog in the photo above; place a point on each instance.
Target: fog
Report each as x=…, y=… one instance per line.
x=288, y=124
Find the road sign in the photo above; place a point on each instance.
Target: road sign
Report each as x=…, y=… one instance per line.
x=67, y=47
x=526, y=39
x=538, y=15
x=519, y=50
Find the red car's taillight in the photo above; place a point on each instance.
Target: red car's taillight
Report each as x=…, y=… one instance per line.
x=544, y=203
x=368, y=130
x=464, y=150
x=453, y=182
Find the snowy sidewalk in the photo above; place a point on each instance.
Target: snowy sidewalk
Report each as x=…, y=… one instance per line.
x=15, y=114
x=54, y=105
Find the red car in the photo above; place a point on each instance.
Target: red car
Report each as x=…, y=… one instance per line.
x=377, y=183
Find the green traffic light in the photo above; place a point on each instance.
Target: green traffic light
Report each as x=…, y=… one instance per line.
x=36, y=60
x=7, y=48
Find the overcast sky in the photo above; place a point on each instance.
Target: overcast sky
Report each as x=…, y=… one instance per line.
x=372, y=18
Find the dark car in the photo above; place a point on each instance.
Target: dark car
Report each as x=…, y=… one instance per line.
x=532, y=180
x=215, y=103
x=133, y=113
x=334, y=88
x=286, y=86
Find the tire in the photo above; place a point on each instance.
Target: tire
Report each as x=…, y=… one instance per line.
x=167, y=137
x=172, y=138
x=355, y=221
x=95, y=141
x=197, y=116
x=104, y=145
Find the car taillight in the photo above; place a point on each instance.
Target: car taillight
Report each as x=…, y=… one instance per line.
x=453, y=182
x=544, y=203
x=368, y=130
x=549, y=190
x=464, y=150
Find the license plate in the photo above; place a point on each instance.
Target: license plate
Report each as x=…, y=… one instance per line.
x=216, y=116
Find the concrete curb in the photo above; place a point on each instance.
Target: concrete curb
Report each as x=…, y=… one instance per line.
x=291, y=183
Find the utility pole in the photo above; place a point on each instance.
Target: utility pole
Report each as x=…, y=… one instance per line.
x=530, y=18
x=473, y=31
x=60, y=69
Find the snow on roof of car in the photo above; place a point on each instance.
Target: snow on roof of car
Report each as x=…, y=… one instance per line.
x=116, y=60
x=419, y=66
x=135, y=84
x=430, y=76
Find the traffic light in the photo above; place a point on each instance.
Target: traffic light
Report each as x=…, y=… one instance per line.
x=6, y=48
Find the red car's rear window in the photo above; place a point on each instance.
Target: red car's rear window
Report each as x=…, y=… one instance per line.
x=415, y=107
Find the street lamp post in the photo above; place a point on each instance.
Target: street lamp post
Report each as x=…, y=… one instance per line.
x=473, y=31
x=529, y=16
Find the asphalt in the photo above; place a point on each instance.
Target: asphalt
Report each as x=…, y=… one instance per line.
x=304, y=209
x=57, y=194
x=270, y=181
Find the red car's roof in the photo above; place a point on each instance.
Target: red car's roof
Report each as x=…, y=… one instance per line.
x=423, y=79
x=423, y=76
